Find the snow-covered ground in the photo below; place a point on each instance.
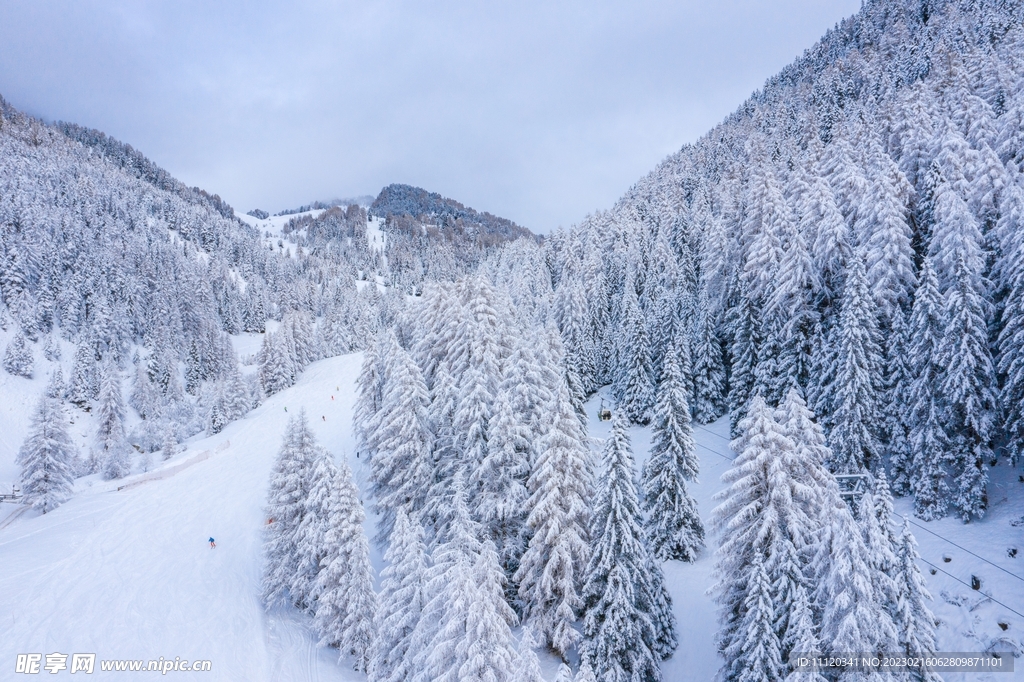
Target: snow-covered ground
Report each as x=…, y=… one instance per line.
x=129, y=575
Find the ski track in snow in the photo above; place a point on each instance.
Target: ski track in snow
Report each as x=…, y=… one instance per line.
x=130, y=575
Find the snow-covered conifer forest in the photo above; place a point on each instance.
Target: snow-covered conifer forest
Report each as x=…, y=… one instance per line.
x=771, y=402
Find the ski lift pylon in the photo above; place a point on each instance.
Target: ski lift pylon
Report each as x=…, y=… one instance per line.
x=853, y=486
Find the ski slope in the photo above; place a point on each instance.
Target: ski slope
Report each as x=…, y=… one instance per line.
x=129, y=575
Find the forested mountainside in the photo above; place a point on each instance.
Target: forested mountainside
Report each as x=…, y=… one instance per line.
x=430, y=208
x=426, y=237
x=854, y=230
x=146, y=277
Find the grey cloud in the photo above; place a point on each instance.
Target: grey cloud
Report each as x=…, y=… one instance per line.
x=537, y=111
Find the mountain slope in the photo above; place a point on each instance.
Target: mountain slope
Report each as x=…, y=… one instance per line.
x=129, y=574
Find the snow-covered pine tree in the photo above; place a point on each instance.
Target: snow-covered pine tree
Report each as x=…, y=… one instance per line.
x=401, y=467
x=915, y=624
x=401, y=602
x=83, y=386
x=790, y=315
x=708, y=366
x=170, y=443
x=51, y=349
x=1011, y=337
x=624, y=634
x=144, y=396
x=743, y=329
x=673, y=527
x=18, y=357
x=194, y=364
x=572, y=313
x=112, y=443
x=528, y=667
x=490, y=655
x=853, y=618
x=778, y=489
x=276, y=365
x=47, y=458
x=500, y=480
x=897, y=398
x=311, y=546
x=286, y=506
x=345, y=601
x=968, y=389
x=756, y=639
x=216, y=419
x=472, y=416
x=802, y=637
x=927, y=432
x=550, y=574
x=635, y=385
x=858, y=377
x=464, y=632
x=888, y=249
x=564, y=673
x=370, y=393
x=880, y=558
x=55, y=386
x=235, y=398
x=585, y=673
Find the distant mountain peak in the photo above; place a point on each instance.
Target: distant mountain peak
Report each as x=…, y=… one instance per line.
x=430, y=207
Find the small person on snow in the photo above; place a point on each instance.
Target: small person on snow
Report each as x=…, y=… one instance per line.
x=323, y=417
x=213, y=545
x=286, y=409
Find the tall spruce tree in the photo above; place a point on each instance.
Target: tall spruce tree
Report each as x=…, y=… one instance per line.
x=897, y=397
x=673, y=527
x=626, y=635
x=286, y=506
x=18, y=357
x=464, y=632
x=636, y=389
x=401, y=468
x=858, y=378
x=708, y=366
x=968, y=389
x=47, y=458
x=777, y=496
x=915, y=624
x=853, y=617
x=927, y=432
x=550, y=574
x=112, y=443
x=345, y=601
x=401, y=602
x=758, y=642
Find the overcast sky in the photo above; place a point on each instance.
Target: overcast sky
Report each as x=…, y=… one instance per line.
x=536, y=111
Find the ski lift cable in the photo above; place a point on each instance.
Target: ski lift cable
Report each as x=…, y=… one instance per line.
x=984, y=594
x=709, y=431
x=914, y=523
x=723, y=456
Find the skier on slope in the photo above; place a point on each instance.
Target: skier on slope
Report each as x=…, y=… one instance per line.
x=213, y=545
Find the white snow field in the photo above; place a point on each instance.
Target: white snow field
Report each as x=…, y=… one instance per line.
x=129, y=574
